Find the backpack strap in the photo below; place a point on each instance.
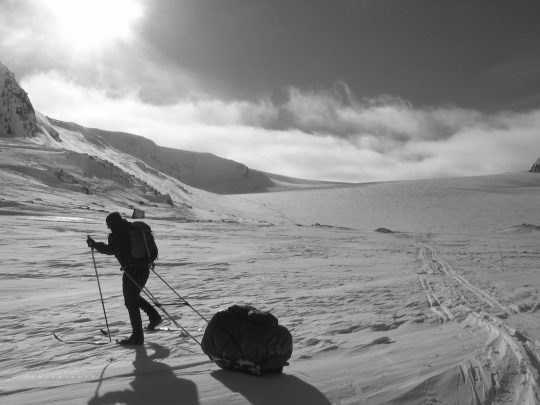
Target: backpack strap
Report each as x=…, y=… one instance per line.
x=152, y=265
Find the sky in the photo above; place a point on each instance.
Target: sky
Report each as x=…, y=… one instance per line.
x=339, y=90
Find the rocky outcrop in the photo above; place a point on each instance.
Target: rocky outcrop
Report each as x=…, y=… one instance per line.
x=536, y=167
x=17, y=115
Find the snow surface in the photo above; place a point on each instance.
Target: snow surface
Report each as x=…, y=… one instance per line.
x=421, y=292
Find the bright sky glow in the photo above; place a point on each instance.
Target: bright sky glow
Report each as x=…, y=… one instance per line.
x=94, y=24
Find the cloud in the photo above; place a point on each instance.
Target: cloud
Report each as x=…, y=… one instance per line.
x=385, y=117
x=35, y=39
x=325, y=135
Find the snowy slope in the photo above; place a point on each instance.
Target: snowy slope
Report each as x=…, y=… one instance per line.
x=77, y=175
x=201, y=170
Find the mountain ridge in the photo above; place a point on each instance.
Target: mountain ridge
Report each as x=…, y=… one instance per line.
x=50, y=165
x=201, y=170
x=197, y=169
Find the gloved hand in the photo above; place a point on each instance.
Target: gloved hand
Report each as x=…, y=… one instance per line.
x=90, y=242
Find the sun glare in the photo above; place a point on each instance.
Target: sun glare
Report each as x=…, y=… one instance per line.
x=94, y=24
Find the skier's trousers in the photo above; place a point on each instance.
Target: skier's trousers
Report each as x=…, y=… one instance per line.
x=133, y=300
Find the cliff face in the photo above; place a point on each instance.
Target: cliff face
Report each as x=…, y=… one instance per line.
x=17, y=115
x=536, y=167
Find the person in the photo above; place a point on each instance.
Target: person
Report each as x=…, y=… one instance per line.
x=136, y=273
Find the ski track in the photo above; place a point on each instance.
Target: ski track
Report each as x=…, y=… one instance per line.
x=507, y=369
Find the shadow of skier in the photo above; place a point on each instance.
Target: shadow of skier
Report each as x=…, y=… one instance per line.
x=154, y=383
x=271, y=388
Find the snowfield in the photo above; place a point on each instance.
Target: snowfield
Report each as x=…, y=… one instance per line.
x=423, y=310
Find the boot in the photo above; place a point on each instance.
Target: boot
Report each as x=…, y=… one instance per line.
x=131, y=341
x=154, y=322
x=137, y=336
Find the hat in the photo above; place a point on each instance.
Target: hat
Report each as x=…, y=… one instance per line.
x=113, y=218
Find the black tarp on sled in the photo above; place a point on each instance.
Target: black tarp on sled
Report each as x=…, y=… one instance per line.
x=246, y=339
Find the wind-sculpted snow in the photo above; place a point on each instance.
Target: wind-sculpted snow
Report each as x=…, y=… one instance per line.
x=308, y=276
x=364, y=327
x=507, y=369
x=403, y=317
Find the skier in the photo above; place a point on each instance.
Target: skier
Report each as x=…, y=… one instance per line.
x=136, y=272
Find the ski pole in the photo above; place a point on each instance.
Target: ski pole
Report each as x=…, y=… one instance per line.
x=179, y=296
x=101, y=296
x=152, y=265
x=157, y=304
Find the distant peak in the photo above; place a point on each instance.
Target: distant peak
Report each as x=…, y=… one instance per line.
x=536, y=166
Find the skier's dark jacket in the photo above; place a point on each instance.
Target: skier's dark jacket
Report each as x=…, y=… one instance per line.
x=118, y=244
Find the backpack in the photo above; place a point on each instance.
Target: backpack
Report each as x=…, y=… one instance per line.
x=142, y=242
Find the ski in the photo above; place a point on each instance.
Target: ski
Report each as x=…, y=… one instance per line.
x=79, y=341
x=167, y=329
x=156, y=329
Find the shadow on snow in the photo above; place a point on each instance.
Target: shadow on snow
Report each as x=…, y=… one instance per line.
x=271, y=388
x=154, y=383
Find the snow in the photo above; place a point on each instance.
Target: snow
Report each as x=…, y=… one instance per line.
x=443, y=309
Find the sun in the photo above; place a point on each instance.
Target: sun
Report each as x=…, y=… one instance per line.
x=94, y=24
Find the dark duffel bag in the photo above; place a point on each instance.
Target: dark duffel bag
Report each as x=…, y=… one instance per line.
x=246, y=339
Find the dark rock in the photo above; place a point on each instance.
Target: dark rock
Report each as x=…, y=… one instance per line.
x=535, y=167
x=384, y=230
x=17, y=115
